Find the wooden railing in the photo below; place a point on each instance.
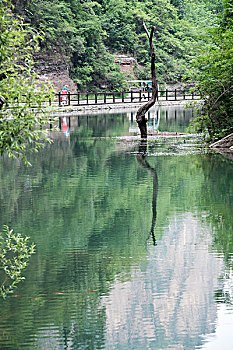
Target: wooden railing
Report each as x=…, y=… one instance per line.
x=95, y=98
x=100, y=98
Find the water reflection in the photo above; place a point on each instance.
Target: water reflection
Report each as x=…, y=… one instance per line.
x=222, y=337
x=141, y=158
x=159, y=119
x=90, y=203
x=65, y=125
x=164, y=119
x=169, y=301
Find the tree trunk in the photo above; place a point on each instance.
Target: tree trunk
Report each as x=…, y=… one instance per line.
x=140, y=116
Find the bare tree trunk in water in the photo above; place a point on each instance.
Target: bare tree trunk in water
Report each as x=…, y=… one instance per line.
x=140, y=116
x=141, y=158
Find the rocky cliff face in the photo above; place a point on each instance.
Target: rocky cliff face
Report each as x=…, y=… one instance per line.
x=126, y=63
x=54, y=69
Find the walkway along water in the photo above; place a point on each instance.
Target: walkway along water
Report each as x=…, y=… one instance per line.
x=95, y=98
x=116, y=98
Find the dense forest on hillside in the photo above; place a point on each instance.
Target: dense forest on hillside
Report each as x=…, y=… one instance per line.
x=89, y=33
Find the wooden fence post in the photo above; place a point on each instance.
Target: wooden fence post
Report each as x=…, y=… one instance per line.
x=175, y=94
x=96, y=98
x=105, y=96
x=122, y=96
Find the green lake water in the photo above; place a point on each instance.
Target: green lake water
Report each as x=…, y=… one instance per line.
x=134, y=245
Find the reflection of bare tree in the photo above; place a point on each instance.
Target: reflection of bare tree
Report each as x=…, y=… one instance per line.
x=141, y=158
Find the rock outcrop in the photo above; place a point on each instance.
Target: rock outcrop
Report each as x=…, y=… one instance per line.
x=126, y=63
x=54, y=69
x=225, y=142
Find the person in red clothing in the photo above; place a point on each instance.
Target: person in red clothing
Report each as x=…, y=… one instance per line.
x=64, y=95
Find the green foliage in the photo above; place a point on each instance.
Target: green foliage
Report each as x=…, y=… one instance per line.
x=213, y=74
x=57, y=21
x=93, y=66
x=75, y=31
x=86, y=32
x=14, y=255
x=227, y=15
x=21, y=127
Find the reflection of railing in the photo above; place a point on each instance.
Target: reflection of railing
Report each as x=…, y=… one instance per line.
x=90, y=98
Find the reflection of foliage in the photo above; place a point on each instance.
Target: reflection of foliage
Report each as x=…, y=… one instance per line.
x=220, y=205
x=224, y=296
x=14, y=256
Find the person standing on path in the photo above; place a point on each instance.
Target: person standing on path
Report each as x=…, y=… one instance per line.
x=64, y=95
